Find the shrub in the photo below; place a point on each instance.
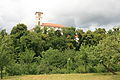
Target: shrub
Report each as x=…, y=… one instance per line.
x=100, y=68
x=80, y=69
x=14, y=69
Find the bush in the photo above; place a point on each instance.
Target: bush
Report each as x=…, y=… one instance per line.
x=116, y=68
x=30, y=68
x=15, y=69
x=59, y=71
x=91, y=70
x=33, y=68
x=80, y=69
x=43, y=69
x=19, y=69
x=99, y=68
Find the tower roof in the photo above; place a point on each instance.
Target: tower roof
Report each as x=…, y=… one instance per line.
x=38, y=12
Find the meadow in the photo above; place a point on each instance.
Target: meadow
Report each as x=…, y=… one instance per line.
x=87, y=76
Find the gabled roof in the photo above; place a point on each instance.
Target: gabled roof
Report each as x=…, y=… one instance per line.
x=52, y=25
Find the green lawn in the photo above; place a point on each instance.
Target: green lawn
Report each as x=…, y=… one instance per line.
x=88, y=76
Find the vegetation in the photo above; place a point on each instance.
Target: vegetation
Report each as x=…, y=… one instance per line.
x=49, y=51
x=88, y=76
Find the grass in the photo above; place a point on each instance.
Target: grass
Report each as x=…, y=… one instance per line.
x=88, y=76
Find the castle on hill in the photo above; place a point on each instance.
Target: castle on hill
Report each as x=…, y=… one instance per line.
x=38, y=17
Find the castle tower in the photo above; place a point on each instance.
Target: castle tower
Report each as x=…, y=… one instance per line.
x=38, y=18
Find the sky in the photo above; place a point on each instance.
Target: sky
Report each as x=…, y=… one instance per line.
x=85, y=14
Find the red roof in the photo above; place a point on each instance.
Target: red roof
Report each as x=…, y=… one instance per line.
x=52, y=25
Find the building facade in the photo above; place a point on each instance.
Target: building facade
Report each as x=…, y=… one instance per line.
x=38, y=16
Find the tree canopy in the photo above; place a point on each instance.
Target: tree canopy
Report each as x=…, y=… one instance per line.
x=67, y=50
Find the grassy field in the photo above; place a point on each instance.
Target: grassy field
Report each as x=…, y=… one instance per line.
x=89, y=76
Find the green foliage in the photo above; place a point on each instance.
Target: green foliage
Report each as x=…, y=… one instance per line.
x=19, y=28
x=50, y=51
x=53, y=58
x=80, y=69
x=5, y=52
x=20, y=69
x=3, y=32
x=69, y=65
x=37, y=29
x=17, y=32
x=27, y=56
x=100, y=31
x=58, y=43
x=69, y=31
x=83, y=58
x=108, y=52
x=15, y=69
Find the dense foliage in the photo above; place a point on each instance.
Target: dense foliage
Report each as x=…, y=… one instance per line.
x=69, y=50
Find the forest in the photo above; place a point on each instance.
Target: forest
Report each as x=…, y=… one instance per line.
x=65, y=51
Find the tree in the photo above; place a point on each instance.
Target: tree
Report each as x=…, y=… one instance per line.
x=108, y=52
x=27, y=56
x=58, y=43
x=54, y=59
x=89, y=39
x=16, y=33
x=5, y=53
x=69, y=31
x=83, y=57
x=69, y=64
x=58, y=33
x=32, y=41
x=45, y=30
x=37, y=29
x=3, y=32
x=100, y=31
x=19, y=28
x=69, y=56
x=27, y=62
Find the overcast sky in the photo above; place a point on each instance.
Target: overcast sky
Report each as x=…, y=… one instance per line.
x=87, y=14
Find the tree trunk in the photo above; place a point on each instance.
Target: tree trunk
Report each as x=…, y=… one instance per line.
x=1, y=73
x=109, y=69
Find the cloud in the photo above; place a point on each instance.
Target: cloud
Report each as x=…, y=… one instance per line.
x=78, y=13
x=89, y=12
